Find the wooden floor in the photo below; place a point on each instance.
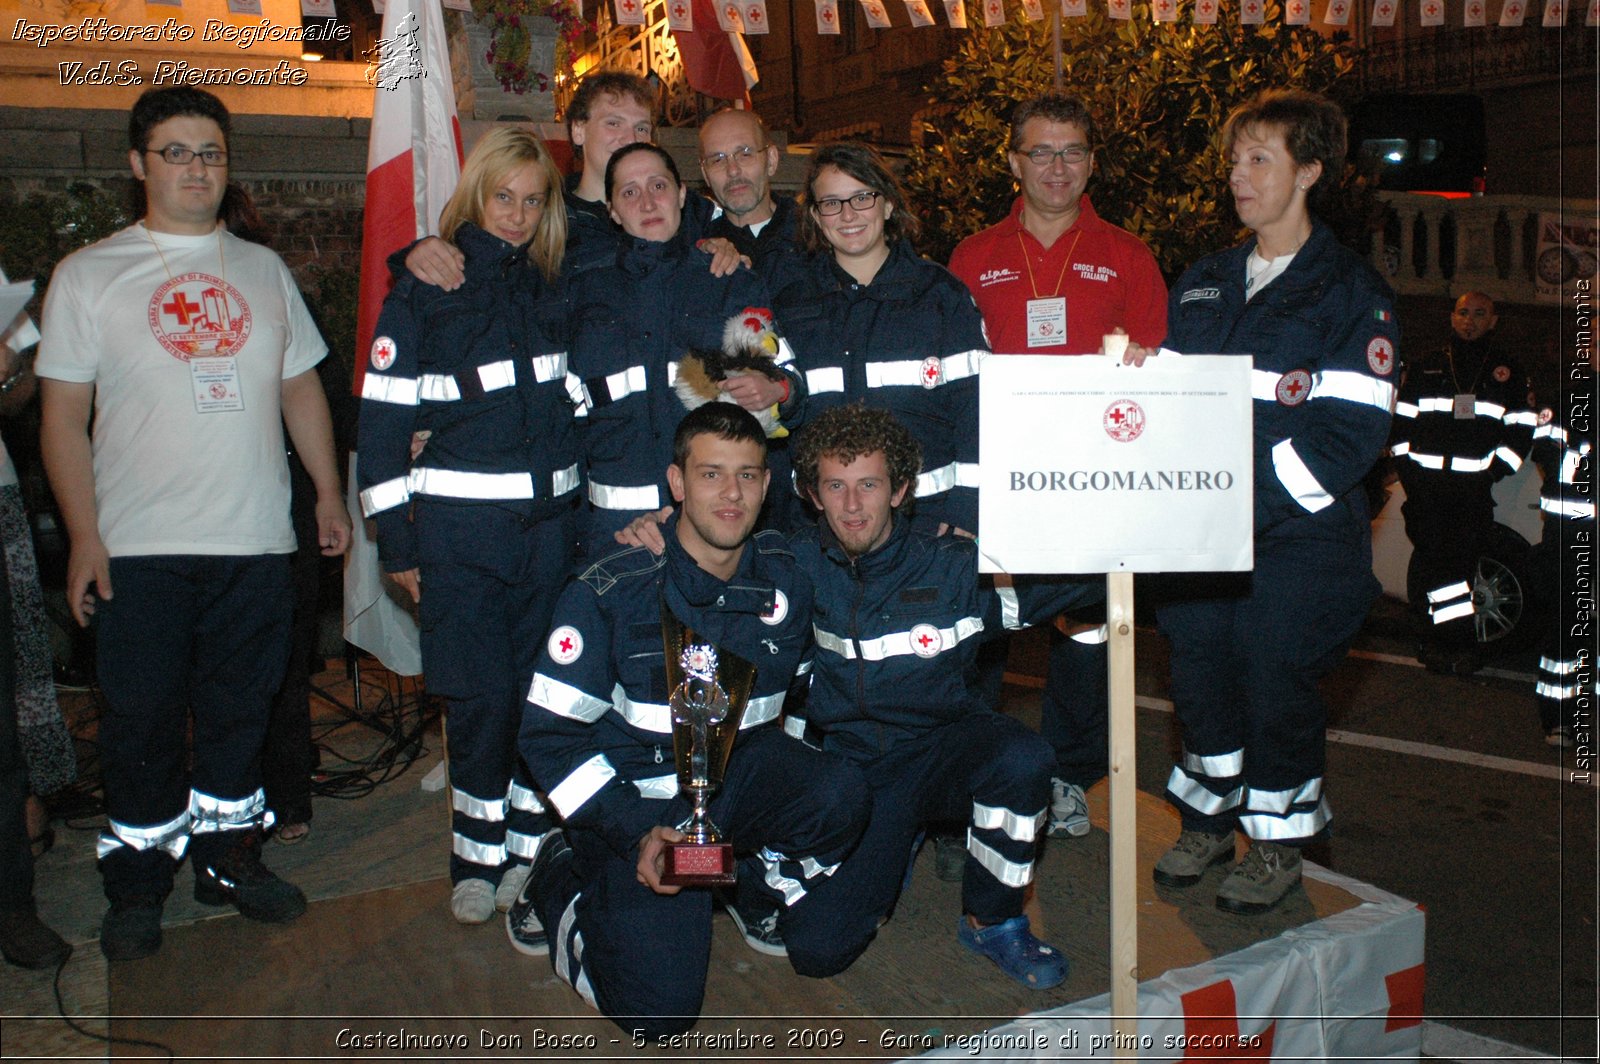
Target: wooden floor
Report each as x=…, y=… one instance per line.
x=379, y=955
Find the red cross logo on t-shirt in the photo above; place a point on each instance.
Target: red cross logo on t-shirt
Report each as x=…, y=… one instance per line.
x=1293, y=387
x=180, y=308
x=932, y=371
x=926, y=640
x=565, y=645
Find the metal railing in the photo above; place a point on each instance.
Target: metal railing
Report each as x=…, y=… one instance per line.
x=1430, y=245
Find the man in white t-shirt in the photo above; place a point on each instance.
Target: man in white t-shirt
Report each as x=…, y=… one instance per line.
x=192, y=349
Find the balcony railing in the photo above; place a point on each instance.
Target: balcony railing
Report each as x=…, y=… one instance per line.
x=1429, y=245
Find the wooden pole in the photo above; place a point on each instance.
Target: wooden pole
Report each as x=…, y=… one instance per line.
x=1055, y=43
x=1124, y=858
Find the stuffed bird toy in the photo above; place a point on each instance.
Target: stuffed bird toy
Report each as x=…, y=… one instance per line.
x=748, y=346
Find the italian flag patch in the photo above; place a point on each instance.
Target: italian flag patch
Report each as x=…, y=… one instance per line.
x=1383, y=315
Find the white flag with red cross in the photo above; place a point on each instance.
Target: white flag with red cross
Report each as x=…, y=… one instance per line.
x=1512, y=12
x=917, y=11
x=1555, y=14
x=1337, y=13
x=828, y=17
x=1383, y=12
x=877, y=14
x=956, y=12
x=1473, y=13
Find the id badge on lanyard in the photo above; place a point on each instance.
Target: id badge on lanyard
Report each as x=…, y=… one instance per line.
x=1047, y=322
x=1465, y=406
x=216, y=385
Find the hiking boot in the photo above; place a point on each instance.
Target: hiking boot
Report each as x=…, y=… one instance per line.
x=760, y=930
x=237, y=877
x=1267, y=873
x=510, y=886
x=1014, y=949
x=472, y=901
x=131, y=928
x=28, y=943
x=523, y=926
x=1069, y=810
x=950, y=857
x=1190, y=856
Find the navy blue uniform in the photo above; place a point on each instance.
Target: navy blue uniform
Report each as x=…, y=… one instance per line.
x=1461, y=423
x=1248, y=649
x=910, y=342
x=631, y=322
x=598, y=733
x=487, y=512
x=896, y=631
x=1563, y=563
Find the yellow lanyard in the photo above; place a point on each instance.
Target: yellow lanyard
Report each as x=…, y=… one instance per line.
x=1026, y=262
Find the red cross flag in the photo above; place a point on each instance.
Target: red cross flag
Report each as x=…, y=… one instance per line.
x=1337, y=13
x=1383, y=13
x=1472, y=13
x=1512, y=12
x=828, y=17
x=1555, y=14
x=994, y=13
x=1431, y=12
x=755, y=16
x=1075, y=8
x=1250, y=13
x=630, y=12
x=714, y=62
x=917, y=11
x=877, y=16
x=1297, y=13
x=1119, y=9
x=1205, y=12
x=956, y=12
x=1034, y=10
x=680, y=15
x=1592, y=16
x=1164, y=10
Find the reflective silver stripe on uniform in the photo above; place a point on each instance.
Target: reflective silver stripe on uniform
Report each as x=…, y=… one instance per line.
x=791, y=889
x=581, y=784
x=1435, y=404
x=1015, y=825
x=1449, y=591
x=1216, y=766
x=1266, y=828
x=658, y=786
x=568, y=961
x=785, y=353
x=171, y=836
x=909, y=372
x=1485, y=408
x=826, y=379
x=1543, y=687
x=1010, y=608
x=1560, y=668
x=1550, y=431
x=1450, y=602
x=1400, y=448
x=492, y=376
x=1192, y=794
x=1567, y=507
x=1092, y=636
x=1444, y=614
x=1458, y=464
x=1011, y=873
x=1352, y=388
x=654, y=717
x=207, y=812
x=564, y=480
x=1280, y=802
x=1405, y=409
x=795, y=727
x=935, y=481
x=564, y=700
x=459, y=484
x=489, y=809
x=523, y=798
x=624, y=497
x=547, y=368
x=522, y=845
x=1297, y=479
x=380, y=497
x=1567, y=473
x=1508, y=456
x=626, y=382
x=1521, y=417
x=894, y=644
x=578, y=394
x=479, y=853
x=1426, y=461
x=804, y=668
x=402, y=391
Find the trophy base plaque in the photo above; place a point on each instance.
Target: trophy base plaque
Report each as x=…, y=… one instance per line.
x=698, y=864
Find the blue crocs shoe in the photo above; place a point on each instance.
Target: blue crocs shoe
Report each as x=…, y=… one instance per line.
x=1035, y=964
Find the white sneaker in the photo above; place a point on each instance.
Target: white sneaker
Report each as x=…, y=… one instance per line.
x=472, y=901
x=510, y=886
x=1069, y=809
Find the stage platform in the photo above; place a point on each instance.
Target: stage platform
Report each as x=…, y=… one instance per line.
x=377, y=969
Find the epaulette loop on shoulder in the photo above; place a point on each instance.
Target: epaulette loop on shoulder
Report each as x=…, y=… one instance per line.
x=611, y=570
x=771, y=541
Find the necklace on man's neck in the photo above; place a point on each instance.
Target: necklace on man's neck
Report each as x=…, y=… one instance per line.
x=222, y=267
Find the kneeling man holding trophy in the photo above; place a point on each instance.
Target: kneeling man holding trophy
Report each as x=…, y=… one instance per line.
x=651, y=723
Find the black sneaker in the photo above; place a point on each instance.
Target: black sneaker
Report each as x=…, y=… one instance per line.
x=760, y=931
x=237, y=877
x=28, y=943
x=523, y=926
x=131, y=928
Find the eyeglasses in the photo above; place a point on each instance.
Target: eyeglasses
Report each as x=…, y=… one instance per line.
x=1042, y=157
x=178, y=155
x=861, y=201
x=742, y=154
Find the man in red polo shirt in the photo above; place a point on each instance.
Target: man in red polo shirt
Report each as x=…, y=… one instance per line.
x=1052, y=279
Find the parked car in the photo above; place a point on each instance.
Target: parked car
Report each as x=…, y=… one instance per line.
x=1505, y=611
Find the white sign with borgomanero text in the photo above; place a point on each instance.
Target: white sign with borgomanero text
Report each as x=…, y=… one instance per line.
x=1089, y=466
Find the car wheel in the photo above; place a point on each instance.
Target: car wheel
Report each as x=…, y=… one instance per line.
x=1503, y=607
